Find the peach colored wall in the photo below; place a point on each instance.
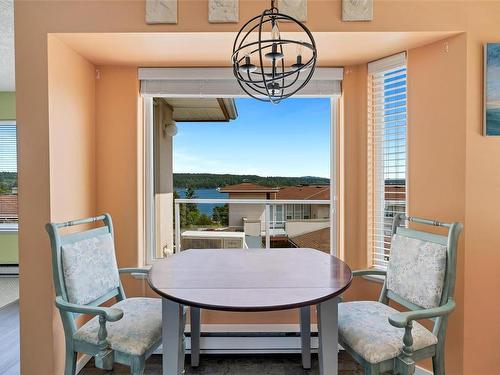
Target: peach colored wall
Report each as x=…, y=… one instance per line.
x=482, y=214
x=72, y=181
x=72, y=133
x=34, y=20
x=436, y=130
x=118, y=106
x=354, y=94
x=436, y=159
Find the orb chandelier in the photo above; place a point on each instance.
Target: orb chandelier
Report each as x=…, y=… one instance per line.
x=268, y=67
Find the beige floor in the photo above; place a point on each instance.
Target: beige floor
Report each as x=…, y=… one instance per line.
x=9, y=290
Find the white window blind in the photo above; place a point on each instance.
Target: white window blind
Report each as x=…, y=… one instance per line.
x=387, y=152
x=8, y=158
x=217, y=82
x=8, y=175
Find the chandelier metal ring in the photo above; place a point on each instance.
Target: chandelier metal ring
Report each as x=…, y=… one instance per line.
x=273, y=78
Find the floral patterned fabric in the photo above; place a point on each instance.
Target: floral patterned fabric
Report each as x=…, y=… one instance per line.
x=135, y=333
x=364, y=326
x=89, y=268
x=416, y=270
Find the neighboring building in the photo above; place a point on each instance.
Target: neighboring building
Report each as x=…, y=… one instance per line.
x=250, y=212
x=286, y=219
x=319, y=240
x=304, y=211
x=303, y=225
x=8, y=208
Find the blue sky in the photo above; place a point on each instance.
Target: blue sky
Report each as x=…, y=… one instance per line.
x=288, y=139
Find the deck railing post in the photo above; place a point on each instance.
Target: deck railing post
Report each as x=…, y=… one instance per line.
x=177, y=228
x=268, y=219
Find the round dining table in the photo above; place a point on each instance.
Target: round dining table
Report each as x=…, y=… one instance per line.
x=248, y=280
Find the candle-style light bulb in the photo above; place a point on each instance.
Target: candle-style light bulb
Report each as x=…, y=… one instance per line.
x=299, y=48
x=299, y=65
x=275, y=31
x=275, y=54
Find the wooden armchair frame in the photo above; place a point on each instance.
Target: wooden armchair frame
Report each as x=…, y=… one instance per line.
x=405, y=363
x=104, y=355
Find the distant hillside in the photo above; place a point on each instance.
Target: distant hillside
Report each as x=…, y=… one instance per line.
x=211, y=181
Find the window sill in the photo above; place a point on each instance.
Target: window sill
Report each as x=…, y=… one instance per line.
x=139, y=276
x=375, y=278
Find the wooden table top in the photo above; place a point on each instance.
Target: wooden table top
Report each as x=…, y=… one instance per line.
x=250, y=279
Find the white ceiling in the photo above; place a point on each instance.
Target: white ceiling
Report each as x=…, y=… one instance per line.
x=7, y=72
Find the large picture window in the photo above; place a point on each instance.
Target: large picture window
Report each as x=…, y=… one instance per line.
x=387, y=152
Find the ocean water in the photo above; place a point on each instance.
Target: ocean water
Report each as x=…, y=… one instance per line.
x=493, y=121
x=205, y=194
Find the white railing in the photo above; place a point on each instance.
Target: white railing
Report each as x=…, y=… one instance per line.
x=266, y=202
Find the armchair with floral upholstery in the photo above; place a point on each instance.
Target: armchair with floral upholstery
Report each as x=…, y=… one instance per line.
x=420, y=276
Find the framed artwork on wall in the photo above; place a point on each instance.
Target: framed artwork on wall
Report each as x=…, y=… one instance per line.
x=491, y=100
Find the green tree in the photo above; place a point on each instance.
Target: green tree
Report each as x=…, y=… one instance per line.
x=220, y=214
x=211, y=181
x=190, y=214
x=204, y=220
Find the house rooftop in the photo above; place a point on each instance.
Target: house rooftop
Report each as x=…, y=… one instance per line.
x=321, y=192
x=319, y=239
x=8, y=206
x=248, y=187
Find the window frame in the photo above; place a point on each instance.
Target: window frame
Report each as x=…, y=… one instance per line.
x=11, y=227
x=376, y=149
x=326, y=83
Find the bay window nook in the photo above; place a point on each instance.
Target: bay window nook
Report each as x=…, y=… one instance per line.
x=103, y=92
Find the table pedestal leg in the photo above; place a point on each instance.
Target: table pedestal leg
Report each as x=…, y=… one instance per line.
x=173, y=337
x=195, y=322
x=328, y=337
x=305, y=336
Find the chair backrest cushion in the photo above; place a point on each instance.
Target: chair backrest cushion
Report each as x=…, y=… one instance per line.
x=90, y=269
x=416, y=270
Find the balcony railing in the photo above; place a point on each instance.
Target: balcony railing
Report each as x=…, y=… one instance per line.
x=271, y=225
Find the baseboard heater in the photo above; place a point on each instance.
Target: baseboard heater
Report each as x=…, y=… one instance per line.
x=249, y=342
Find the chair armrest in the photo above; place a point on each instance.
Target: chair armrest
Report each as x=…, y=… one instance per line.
x=134, y=270
x=402, y=319
x=109, y=313
x=369, y=271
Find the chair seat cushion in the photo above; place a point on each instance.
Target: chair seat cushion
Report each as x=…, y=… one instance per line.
x=365, y=328
x=135, y=333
